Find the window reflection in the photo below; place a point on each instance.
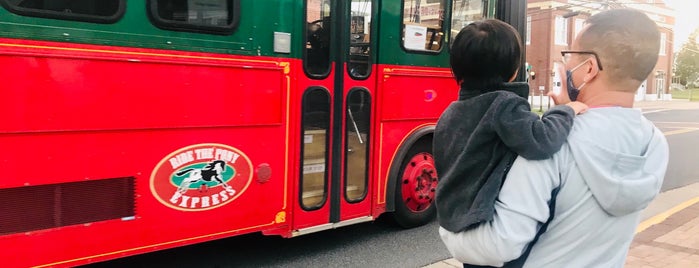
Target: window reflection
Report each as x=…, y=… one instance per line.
x=360, y=34
x=464, y=12
x=316, y=123
x=423, y=24
x=207, y=13
x=318, y=25
x=357, y=136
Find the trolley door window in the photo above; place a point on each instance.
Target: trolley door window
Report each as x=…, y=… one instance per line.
x=357, y=145
x=314, y=144
x=359, y=55
x=318, y=26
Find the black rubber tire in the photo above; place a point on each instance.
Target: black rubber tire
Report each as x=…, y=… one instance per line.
x=402, y=215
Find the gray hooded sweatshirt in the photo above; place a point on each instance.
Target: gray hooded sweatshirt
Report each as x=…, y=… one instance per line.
x=610, y=169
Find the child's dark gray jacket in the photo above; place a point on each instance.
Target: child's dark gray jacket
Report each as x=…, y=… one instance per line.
x=476, y=140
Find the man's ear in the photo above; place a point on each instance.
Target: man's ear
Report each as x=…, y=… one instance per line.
x=591, y=71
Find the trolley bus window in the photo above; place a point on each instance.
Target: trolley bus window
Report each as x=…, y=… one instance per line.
x=317, y=52
x=360, y=46
x=208, y=16
x=465, y=12
x=316, y=126
x=423, y=24
x=100, y=11
x=357, y=137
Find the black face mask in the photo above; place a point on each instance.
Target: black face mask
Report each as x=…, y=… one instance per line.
x=572, y=90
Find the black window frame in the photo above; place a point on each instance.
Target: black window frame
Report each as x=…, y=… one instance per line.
x=49, y=14
x=171, y=25
x=371, y=47
x=326, y=156
x=331, y=44
x=367, y=151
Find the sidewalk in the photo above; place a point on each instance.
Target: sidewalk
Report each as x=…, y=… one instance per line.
x=678, y=104
x=672, y=243
x=668, y=235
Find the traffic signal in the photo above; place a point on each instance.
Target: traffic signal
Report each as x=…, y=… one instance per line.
x=531, y=75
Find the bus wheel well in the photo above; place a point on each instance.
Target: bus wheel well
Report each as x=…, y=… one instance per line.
x=412, y=183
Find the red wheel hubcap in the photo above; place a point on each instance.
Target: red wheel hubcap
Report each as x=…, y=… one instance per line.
x=419, y=182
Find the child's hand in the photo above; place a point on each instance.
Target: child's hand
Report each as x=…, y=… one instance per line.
x=577, y=106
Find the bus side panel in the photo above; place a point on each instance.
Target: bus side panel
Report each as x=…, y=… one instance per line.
x=80, y=114
x=106, y=90
x=396, y=120
x=428, y=90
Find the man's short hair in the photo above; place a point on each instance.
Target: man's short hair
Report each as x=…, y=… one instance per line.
x=486, y=53
x=627, y=41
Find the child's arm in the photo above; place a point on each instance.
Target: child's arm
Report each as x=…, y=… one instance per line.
x=530, y=136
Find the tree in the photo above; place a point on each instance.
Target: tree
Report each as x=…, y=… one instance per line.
x=687, y=62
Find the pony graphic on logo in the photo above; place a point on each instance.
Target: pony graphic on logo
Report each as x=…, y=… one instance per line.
x=213, y=171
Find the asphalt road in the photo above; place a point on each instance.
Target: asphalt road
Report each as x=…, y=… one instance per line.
x=373, y=244
x=380, y=244
x=681, y=128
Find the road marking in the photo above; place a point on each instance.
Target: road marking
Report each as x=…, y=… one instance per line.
x=680, y=131
x=681, y=127
x=669, y=122
x=656, y=111
x=663, y=216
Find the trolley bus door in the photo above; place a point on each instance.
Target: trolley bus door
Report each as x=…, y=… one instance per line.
x=334, y=185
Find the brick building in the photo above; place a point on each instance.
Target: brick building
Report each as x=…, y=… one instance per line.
x=553, y=24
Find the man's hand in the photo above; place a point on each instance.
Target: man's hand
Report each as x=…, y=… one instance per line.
x=562, y=97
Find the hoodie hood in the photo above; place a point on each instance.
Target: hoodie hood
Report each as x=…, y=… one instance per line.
x=623, y=177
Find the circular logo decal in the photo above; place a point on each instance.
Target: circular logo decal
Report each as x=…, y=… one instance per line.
x=201, y=177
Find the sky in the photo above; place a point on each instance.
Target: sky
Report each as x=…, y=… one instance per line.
x=686, y=19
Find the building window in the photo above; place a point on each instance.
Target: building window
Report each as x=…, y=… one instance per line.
x=578, y=27
x=663, y=41
x=659, y=83
x=529, y=30
x=561, y=34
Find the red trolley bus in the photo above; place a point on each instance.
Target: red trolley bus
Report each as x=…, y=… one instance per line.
x=134, y=126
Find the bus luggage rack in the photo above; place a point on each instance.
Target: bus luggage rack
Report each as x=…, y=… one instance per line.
x=49, y=206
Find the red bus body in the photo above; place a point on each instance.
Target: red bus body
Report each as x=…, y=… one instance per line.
x=58, y=129
x=122, y=135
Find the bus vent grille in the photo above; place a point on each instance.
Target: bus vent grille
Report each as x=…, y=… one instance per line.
x=48, y=206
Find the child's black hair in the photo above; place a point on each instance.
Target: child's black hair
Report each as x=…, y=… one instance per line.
x=485, y=54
